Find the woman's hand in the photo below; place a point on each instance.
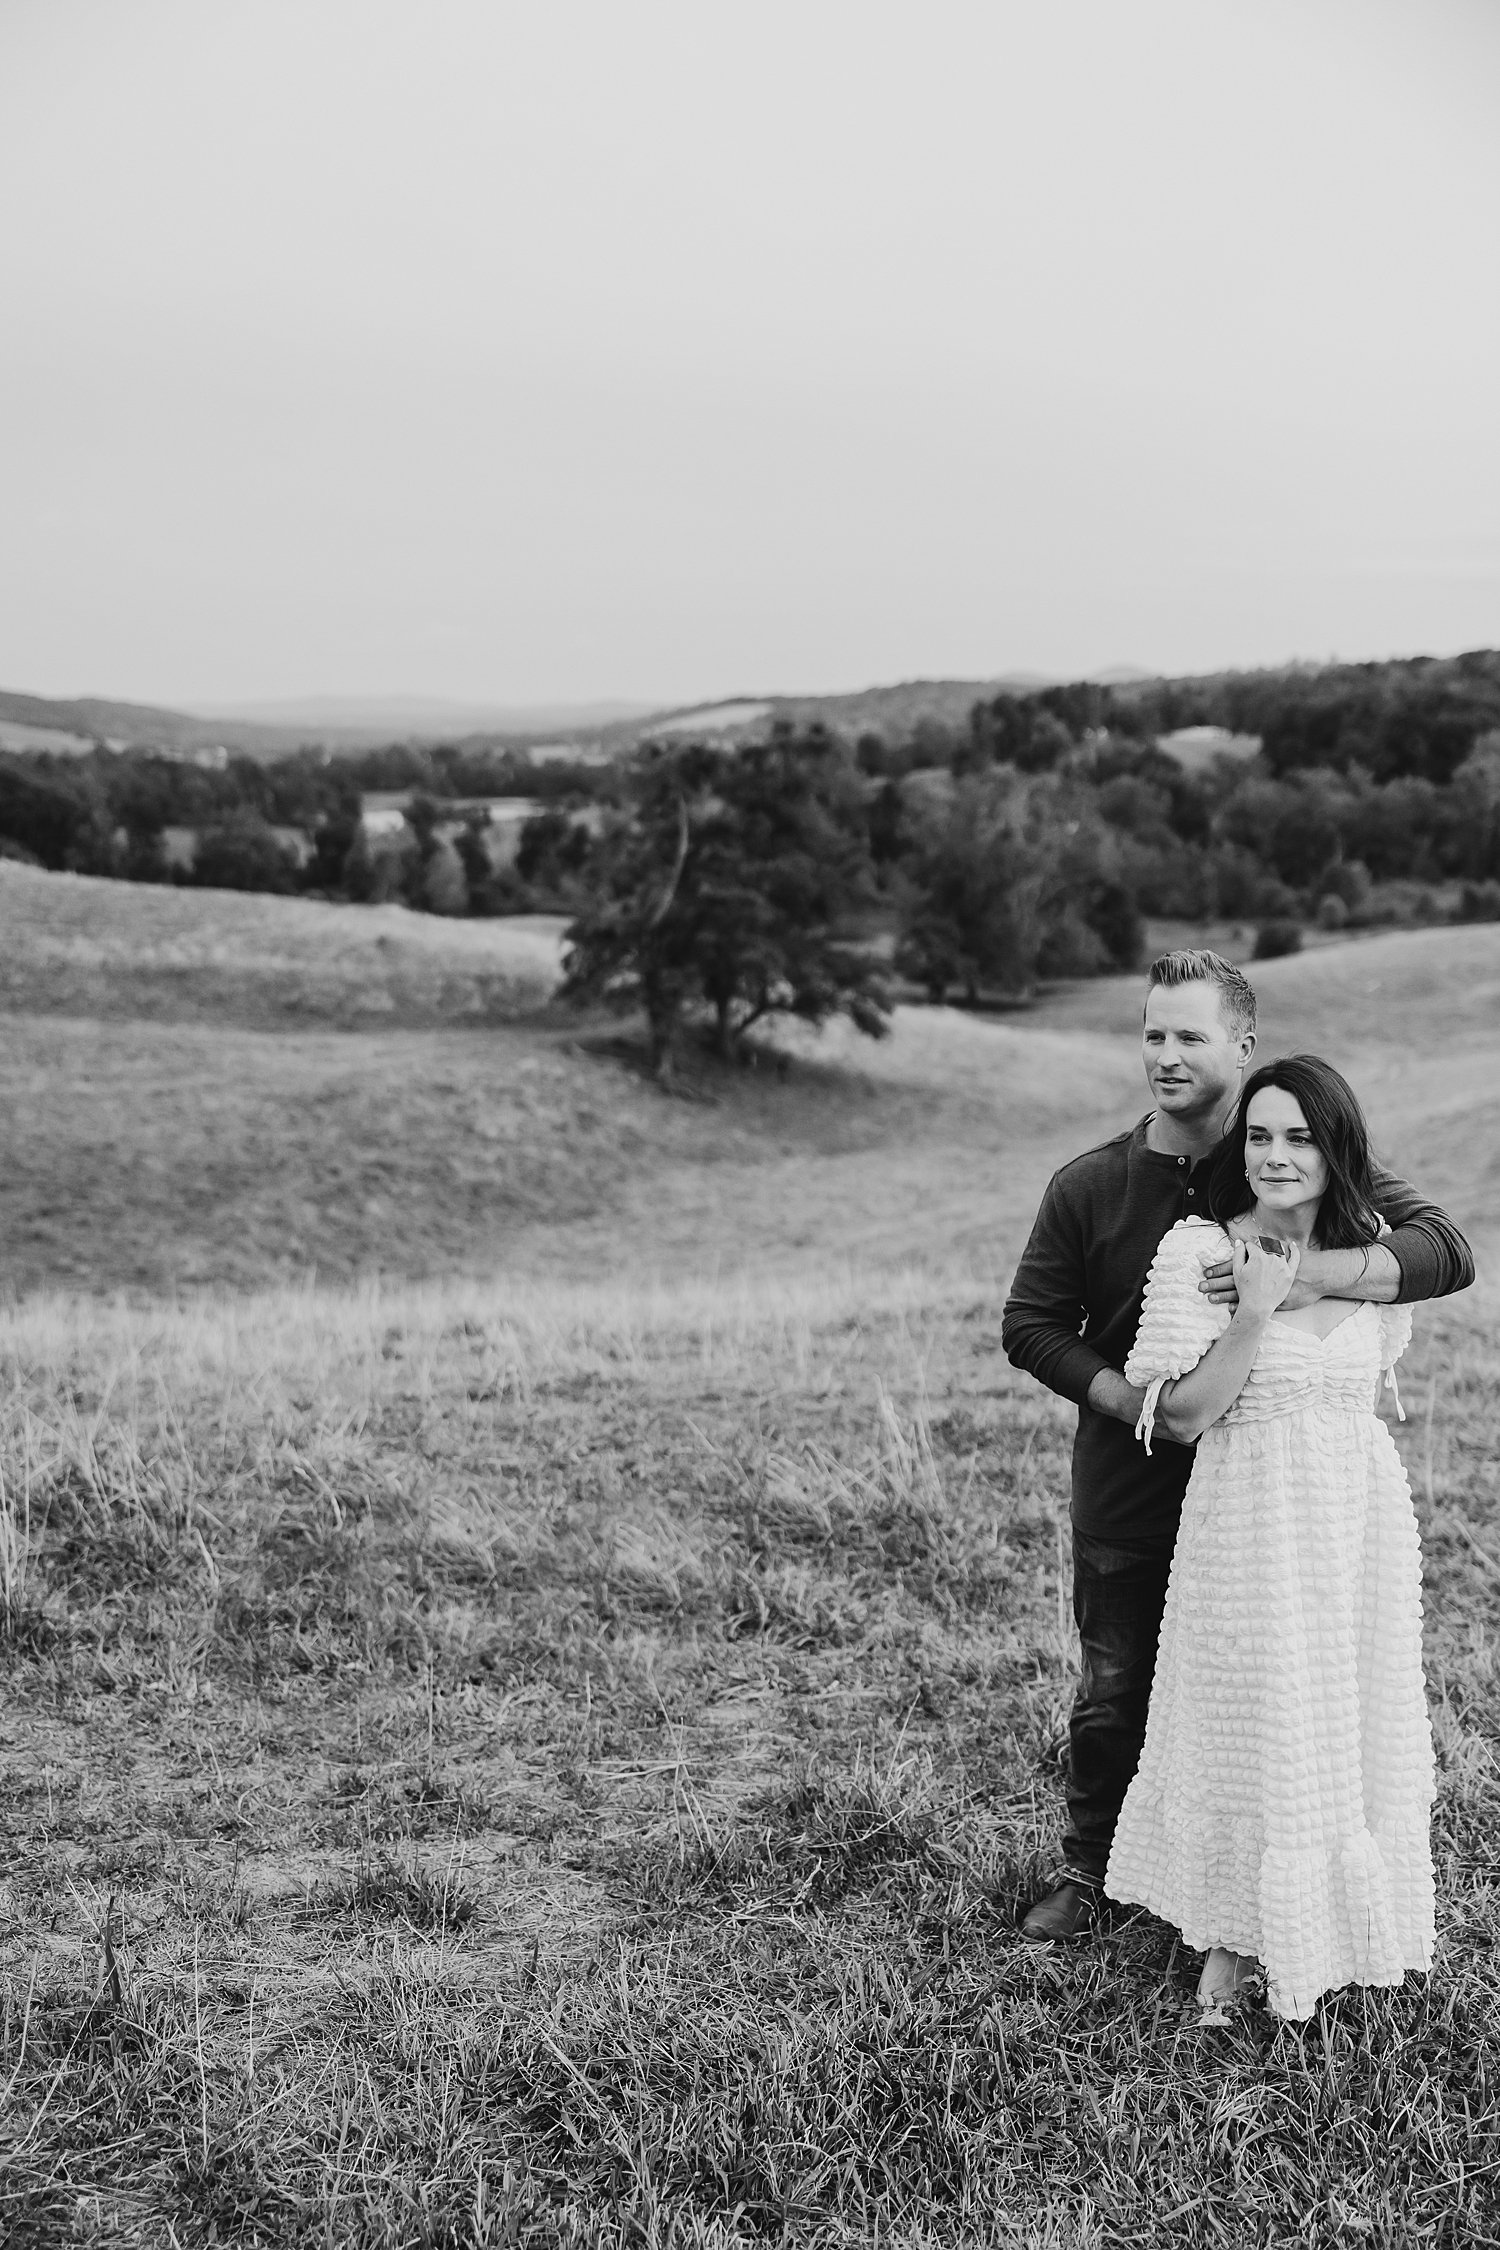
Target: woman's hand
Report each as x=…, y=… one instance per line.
x=1264, y=1276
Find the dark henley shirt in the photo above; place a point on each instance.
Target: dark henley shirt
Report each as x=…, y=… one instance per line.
x=1075, y=1305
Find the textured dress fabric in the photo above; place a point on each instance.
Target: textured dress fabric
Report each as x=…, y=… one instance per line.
x=1282, y=1805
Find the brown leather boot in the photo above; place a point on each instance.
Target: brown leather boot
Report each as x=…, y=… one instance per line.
x=1071, y=1910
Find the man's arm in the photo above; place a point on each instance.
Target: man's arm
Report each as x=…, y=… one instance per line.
x=1110, y=1394
x=1423, y=1256
x=1372, y=1275
x=1048, y=1302
x=1433, y=1257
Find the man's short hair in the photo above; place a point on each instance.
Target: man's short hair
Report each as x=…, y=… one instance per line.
x=1236, y=993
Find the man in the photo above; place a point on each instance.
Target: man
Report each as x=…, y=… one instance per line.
x=1070, y=1320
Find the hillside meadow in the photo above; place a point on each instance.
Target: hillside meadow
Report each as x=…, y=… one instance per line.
x=208, y=1088
x=539, y=1739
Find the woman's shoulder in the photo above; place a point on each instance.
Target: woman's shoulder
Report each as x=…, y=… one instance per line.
x=1192, y=1241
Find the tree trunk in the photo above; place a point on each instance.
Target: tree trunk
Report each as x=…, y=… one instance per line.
x=661, y=1017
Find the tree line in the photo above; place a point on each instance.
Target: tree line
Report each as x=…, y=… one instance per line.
x=1415, y=718
x=804, y=873
x=736, y=884
x=111, y=813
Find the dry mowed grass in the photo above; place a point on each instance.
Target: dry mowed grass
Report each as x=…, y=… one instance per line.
x=558, y=1765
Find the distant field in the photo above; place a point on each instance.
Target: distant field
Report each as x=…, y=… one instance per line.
x=16, y=735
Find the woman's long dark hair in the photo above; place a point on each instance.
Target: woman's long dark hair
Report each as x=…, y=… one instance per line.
x=1347, y=1217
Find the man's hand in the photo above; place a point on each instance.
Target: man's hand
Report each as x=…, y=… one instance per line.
x=1302, y=1292
x=1218, y=1286
x=1110, y=1394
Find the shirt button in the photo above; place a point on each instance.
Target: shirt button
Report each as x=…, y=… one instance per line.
x=1191, y=1191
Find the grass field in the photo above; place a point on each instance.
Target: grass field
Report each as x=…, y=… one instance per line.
x=203, y=1088
x=544, y=1746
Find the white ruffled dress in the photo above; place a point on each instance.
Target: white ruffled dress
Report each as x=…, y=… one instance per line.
x=1283, y=1802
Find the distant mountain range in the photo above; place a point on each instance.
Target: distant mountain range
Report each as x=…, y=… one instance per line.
x=273, y=729
x=892, y=711
x=427, y=715
x=352, y=722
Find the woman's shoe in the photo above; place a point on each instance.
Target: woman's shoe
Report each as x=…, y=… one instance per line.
x=1225, y=1976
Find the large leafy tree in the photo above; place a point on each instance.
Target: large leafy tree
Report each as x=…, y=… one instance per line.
x=731, y=886
x=1013, y=879
x=244, y=853
x=976, y=884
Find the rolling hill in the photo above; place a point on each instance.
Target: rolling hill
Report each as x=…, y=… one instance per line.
x=275, y=730
x=81, y=721
x=1453, y=698
x=340, y=722
x=892, y=711
x=214, y=1087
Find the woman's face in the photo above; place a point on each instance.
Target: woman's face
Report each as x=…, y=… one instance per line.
x=1286, y=1170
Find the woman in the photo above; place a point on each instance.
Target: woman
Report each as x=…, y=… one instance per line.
x=1280, y=1816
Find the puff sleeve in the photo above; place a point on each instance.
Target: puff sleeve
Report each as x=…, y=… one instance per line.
x=1178, y=1323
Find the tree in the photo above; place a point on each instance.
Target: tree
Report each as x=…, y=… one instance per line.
x=733, y=885
x=1017, y=878
x=445, y=886
x=244, y=853
x=1474, y=794
x=333, y=840
x=977, y=883
x=423, y=813
x=1279, y=936
x=379, y=868
x=57, y=813
x=144, y=859
x=1111, y=913
x=886, y=818
x=474, y=856
x=552, y=852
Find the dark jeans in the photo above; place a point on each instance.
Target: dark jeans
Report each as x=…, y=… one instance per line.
x=1119, y=1593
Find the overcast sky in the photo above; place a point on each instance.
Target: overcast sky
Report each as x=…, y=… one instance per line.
x=671, y=348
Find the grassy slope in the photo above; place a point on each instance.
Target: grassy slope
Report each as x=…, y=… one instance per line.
x=562, y=1753
x=209, y=1087
x=81, y=946
x=88, y=717
x=197, y=1092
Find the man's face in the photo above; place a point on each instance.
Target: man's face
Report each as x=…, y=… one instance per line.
x=1194, y=1062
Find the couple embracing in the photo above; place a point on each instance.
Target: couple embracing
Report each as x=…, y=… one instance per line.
x=1219, y=1292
